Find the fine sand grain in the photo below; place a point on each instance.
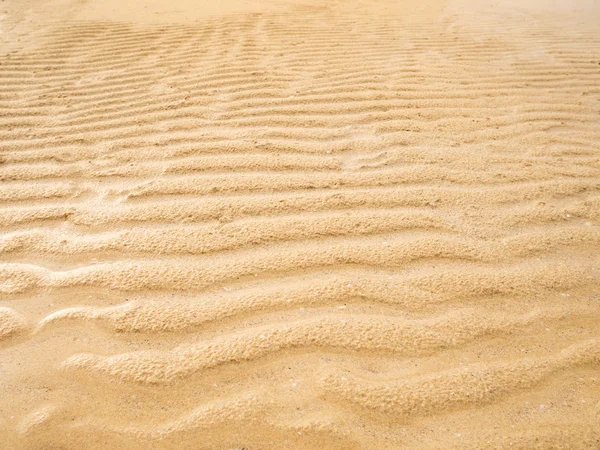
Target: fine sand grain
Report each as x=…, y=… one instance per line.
x=299, y=224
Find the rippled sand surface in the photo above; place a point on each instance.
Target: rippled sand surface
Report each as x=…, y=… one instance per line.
x=299, y=224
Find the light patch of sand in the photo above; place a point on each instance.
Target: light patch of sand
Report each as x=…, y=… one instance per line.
x=160, y=11
x=300, y=224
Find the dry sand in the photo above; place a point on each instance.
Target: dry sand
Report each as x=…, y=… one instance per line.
x=300, y=224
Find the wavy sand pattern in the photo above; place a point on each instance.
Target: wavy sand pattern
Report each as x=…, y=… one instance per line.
x=300, y=225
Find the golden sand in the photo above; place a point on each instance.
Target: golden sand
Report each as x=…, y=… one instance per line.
x=294, y=224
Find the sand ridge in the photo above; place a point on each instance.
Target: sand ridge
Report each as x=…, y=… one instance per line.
x=300, y=225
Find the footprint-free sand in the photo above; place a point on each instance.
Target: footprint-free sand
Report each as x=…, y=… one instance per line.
x=299, y=224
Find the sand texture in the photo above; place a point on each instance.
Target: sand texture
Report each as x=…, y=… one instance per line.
x=299, y=224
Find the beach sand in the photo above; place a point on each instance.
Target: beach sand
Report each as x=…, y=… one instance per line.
x=299, y=224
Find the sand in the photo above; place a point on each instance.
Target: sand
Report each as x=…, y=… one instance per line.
x=296, y=224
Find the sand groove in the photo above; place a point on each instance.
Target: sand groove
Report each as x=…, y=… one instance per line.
x=300, y=225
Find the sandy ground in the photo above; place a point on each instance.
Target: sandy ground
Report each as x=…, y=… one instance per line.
x=299, y=224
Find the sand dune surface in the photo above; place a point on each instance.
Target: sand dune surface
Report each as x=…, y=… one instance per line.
x=294, y=224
